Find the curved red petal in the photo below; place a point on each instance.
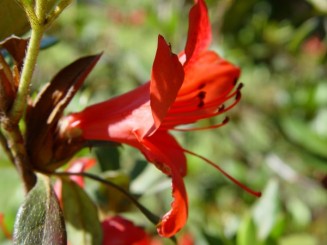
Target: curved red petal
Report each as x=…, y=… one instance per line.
x=176, y=218
x=118, y=230
x=207, y=85
x=210, y=73
x=166, y=79
x=199, y=32
x=80, y=165
x=167, y=144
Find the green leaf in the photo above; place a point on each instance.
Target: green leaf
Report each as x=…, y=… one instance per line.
x=304, y=137
x=108, y=198
x=301, y=33
x=12, y=19
x=108, y=157
x=296, y=239
x=48, y=42
x=40, y=219
x=266, y=210
x=247, y=232
x=81, y=215
x=320, y=5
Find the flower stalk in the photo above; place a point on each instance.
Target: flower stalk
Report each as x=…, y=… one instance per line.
x=18, y=153
x=151, y=216
x=27, y=73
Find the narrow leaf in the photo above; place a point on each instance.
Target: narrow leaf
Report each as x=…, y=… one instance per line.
x=81, y=215
x=247, y=232
x=16, y=47
x=266, y=210
x=48, y=42
x=48, y=107
x=304, y=137
x=7, y=93
x=40, y=219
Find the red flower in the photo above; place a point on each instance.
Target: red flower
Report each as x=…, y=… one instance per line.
x=183, y=89
x=120, y=231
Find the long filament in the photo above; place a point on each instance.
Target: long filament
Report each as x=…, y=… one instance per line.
x=244, y=187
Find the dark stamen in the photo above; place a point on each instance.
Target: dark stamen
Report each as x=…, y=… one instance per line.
x=226, y=120
x=201, y=104
x=221, y=108
x=202, y=95
x=238, y=95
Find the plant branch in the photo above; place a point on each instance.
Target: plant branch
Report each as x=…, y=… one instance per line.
x=15, y=144
x=33, y=48
x=152, y=217
x=58, y=9
x=5, y=147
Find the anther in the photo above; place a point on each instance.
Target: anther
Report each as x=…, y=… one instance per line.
x=221, y=108
x=202, y=94
x=226, y=120
x=238, y=95
x=240, y=86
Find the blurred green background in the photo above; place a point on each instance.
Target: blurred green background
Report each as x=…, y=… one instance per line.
x=276, y=140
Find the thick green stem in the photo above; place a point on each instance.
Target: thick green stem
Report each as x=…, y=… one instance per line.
x=27, y=72
x=15, y=143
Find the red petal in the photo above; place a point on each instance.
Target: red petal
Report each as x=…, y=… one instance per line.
x=166, y=79
x=209, y=73
x=117, y=230
x=199, y=32
x=75, y=166
x=115, y=119
x=176, y=218
x=80, y=165
x=167, y=144
x=207, y=85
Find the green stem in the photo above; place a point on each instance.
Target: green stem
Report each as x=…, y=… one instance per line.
x=27, y=72
x=18, y=154
x=152, y=217
x=4, y=144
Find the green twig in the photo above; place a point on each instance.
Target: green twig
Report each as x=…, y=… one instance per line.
x=5, y=147
x=58, y=9
x=15, y=143
x=152, y=217
x=33, y=48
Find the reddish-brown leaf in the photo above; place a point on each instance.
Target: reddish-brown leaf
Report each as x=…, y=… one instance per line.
x=7, y=88
x=17, y=48
x=43, y=115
